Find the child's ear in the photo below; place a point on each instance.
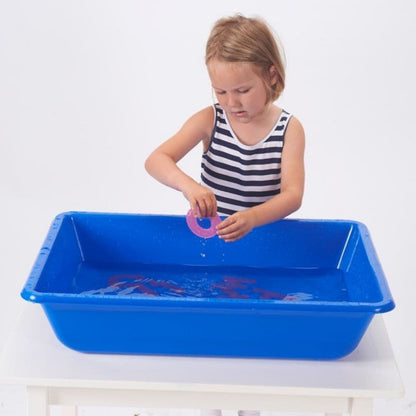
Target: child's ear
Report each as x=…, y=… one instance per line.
x=273, y=75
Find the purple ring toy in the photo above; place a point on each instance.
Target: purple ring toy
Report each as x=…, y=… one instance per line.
x=193, y=225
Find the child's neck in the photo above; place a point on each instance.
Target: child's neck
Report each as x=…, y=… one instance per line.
x=257, y=129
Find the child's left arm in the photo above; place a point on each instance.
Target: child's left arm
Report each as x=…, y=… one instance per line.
x=290, y=198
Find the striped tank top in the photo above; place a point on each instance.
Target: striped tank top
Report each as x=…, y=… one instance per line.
x=242, y=176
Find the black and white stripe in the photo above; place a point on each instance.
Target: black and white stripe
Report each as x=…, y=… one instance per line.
x=242, y=176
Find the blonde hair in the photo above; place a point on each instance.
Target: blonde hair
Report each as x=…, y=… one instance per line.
x=243, y=39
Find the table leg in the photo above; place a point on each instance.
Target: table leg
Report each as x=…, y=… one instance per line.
x=37, y=401
x=361, y=407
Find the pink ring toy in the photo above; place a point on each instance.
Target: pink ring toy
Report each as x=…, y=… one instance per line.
x=193, y=225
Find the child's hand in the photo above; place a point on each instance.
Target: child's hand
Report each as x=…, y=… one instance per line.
x=202, y=200
x=236, y=226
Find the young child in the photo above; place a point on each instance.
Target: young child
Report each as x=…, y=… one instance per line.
x=252, y=161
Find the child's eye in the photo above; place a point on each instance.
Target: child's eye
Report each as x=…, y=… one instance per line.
x=243, y=91
x=220, y=92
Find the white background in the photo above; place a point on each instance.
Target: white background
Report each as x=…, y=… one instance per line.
x=89, y=88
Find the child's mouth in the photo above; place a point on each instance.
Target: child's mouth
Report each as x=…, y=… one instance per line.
x=239, y=113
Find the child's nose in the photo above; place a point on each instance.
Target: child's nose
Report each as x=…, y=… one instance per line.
x=233, y=100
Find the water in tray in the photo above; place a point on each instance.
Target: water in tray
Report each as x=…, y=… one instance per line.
x=288, y=284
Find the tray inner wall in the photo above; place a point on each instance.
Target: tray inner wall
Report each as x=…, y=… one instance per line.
x=153, y=256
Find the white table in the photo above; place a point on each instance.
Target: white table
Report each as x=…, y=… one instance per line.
x=56, y=375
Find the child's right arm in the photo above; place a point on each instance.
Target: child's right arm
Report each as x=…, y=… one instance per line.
x=162, y=162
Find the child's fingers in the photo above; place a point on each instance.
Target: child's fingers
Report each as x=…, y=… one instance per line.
x=202, y=208
x=233, y=228
x=194, y=208
x=226, y=226
x=208, y=206
x=203, y=203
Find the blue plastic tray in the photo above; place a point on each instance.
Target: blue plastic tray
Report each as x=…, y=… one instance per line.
x=144, y=284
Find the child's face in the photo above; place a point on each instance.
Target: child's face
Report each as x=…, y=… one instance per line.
x=239, y=88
